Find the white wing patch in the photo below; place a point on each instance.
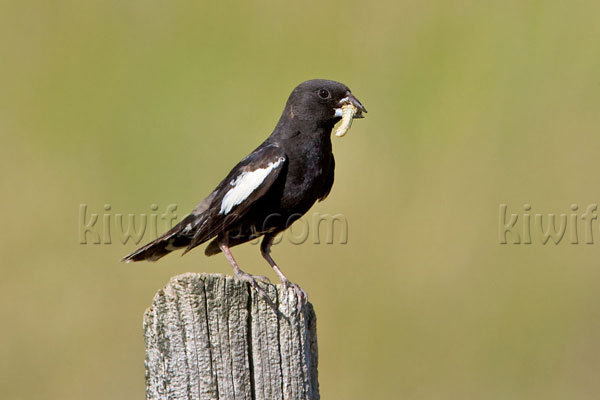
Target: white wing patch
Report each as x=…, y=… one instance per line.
x=245, y=184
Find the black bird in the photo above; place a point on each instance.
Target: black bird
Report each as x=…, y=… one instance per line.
x=272, y=187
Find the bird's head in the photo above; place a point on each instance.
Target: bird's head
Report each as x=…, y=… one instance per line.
x=321, y=101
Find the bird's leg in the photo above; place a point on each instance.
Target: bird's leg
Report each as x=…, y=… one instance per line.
x=244, y=276
x=265, y=250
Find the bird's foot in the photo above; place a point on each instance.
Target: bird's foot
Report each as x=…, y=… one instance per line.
x=253, y=281
x=246, y=277
x=300, y=293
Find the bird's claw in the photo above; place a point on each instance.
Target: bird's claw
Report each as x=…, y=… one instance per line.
x=300, y=293
x=246, y=277
x=253, y=281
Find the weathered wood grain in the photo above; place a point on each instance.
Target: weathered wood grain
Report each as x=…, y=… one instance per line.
x=212, y=337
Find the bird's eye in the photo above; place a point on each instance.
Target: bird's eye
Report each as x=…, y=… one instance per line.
x=323, y=93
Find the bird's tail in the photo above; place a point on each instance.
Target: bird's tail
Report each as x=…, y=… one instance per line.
x=176, y=238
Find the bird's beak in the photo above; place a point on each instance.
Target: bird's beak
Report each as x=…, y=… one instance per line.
x=350, y=99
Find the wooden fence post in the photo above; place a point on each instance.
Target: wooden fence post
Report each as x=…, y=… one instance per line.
x=211, y=337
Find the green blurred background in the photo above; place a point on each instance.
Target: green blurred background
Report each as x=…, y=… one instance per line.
x=471, y=104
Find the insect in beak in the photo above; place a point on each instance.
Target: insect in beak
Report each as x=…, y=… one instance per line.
x=349, y=109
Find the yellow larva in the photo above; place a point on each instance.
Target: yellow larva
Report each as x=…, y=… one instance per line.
x=348, y=112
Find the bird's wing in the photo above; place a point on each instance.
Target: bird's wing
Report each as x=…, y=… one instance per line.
x=247, y=182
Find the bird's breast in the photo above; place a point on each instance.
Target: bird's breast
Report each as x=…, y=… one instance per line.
x=306, y=179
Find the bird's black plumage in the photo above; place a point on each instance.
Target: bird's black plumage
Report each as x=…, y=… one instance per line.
x=271, y=187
